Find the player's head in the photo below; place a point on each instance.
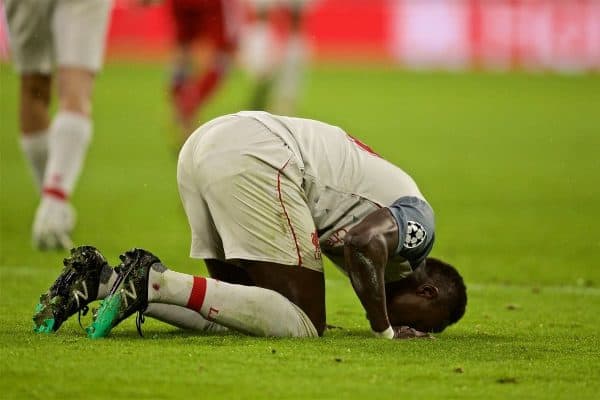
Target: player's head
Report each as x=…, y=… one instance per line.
x=431, y=298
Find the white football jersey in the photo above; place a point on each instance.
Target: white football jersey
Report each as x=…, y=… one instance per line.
x=344, y=180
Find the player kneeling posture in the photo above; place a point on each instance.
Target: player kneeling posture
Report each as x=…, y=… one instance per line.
x=265, y=195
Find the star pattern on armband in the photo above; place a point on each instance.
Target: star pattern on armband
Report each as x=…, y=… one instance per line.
x=415, y=235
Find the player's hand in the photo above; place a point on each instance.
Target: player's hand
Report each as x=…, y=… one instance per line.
x=406, y=332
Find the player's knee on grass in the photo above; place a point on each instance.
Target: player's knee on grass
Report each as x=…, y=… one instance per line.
x=301, y=287
x=286, y=318
x=254, y=310
x=274, y=295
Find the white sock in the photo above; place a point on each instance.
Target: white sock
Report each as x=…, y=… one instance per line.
x=35, y=148
x=256, y=50
x=167, y=286
x=69, y=137
x=289, y=78
x=248, y=309
x=182, y=317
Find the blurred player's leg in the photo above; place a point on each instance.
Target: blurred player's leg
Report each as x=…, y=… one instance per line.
x=185, y=18
x=222, y=21
x=213, y=22
x=69, y=136
x=78, y=30
x=193, y=93
x=289, y=77
x=182, y=69
x=31, y=46
x=259, y=57
x=206, y=84
x=70, y=131
x=34, y=121
x=275, y=65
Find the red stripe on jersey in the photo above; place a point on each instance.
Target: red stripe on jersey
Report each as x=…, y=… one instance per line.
x=198, y=293
x=363, y=146
x=286, y=213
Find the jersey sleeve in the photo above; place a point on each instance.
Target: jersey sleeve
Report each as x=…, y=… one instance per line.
x=416, y=228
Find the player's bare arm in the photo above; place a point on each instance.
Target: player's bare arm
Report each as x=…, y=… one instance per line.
x=366, y=251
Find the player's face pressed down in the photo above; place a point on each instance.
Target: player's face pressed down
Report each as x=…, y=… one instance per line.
x=414, y=310
x=414, y=303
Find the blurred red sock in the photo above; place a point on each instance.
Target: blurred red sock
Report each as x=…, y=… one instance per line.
x=206, y=84
x=193, y=94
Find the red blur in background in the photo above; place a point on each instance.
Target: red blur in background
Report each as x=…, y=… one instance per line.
x=560, y=35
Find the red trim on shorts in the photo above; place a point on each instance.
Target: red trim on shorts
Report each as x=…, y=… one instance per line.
x=56, y=193
x=286, y=213
x=198, y=293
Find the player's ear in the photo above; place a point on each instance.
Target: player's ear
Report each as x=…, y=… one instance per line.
x=428, y=291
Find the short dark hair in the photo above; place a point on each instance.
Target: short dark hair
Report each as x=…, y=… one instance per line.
x=452, y=290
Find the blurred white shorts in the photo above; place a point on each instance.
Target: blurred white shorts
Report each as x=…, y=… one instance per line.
x=67, y=33
x=241, y=188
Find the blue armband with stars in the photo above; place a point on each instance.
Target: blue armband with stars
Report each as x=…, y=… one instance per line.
x=416, y=228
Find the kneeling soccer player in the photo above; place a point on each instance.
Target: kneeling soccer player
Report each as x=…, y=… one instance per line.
x=265, y=196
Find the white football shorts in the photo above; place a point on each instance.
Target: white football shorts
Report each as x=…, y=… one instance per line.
x=241, y=188
x=45, y=33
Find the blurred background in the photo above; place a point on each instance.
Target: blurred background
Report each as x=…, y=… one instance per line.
x=501, y=35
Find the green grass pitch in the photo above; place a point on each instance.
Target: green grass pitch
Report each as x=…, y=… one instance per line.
x=511, y=164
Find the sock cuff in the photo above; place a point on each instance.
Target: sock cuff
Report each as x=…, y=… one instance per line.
x=73, y=124
x=74, y=116
x=34, y=141
x=198, y=293
x=34, y=146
